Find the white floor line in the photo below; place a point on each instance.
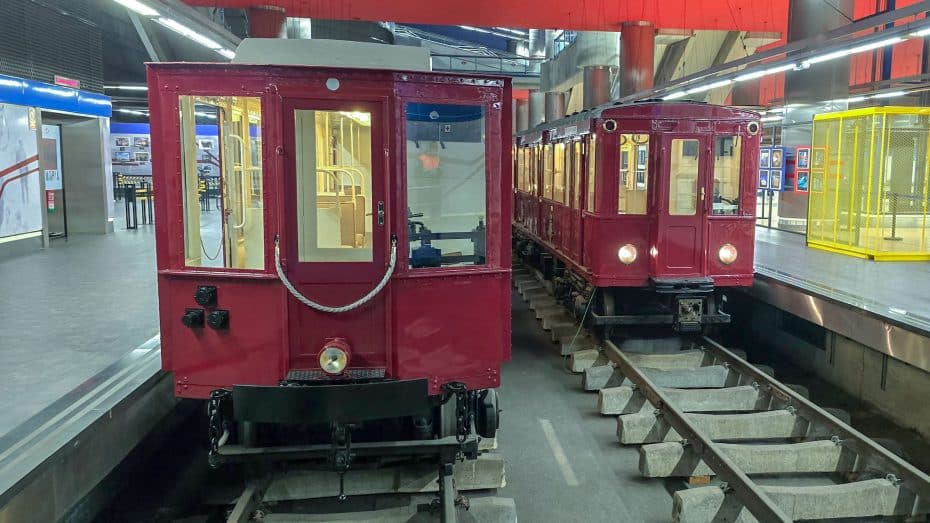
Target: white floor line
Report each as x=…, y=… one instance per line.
x=558, y=453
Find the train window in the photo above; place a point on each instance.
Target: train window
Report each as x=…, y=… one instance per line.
x=727, y=158
x=683, y=176
x=592, y=162
x=446, y=195
x=634, y=173
x=221, y=162
x=576, y=174
x=558, y=173
x=334, y=208
x=547, y=171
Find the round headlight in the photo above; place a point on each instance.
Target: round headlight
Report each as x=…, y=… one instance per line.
x=333, y=360
x=727, y=254
x=627, y=254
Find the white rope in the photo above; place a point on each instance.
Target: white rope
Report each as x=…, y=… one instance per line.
x=325, y=308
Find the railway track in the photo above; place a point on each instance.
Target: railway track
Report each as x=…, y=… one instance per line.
x=751, y=448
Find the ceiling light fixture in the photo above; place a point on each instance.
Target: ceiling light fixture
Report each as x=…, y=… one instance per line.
x=708, y=87
x=127, y=87
x=183, y=30
x=765, y=72
x=138, y=7
x=676, y=94
x=890, y=94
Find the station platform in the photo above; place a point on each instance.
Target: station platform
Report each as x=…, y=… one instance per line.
x=894, y=291
x=70, y=311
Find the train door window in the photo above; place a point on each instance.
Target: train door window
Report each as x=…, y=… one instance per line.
x=576, y=174
x=592, y=162
x=634, y=174
x=221, y=171
x=727, y=159
x=446, y=196
x=334, y=208
x=683, y=177
x=547, y=171
x=558, y=172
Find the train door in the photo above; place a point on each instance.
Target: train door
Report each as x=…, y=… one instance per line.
x=681, y=216
x=336, y=241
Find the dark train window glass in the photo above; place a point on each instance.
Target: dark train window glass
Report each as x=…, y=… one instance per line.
x=446, y=184
x=634, y=174
x=683, y=175
x=221, y=170
x=558, y=172
x=591, y=156
x=727, y=158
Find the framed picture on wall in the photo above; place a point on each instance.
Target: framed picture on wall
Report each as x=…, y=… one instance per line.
x=818, y=157
x=775, y=180
x=802, y=180
x=205, y=144
x=764, y=155
x=141, y=141
x=142, y=157
x=804, y=158
x=122, y=156
x=121, y=141
x=777, y=157
x=763, y=179
x=816, y=181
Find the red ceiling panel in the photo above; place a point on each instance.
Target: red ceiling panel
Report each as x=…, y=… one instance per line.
x=591, y=15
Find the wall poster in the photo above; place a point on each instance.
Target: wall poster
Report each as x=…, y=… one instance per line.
x=21, y=202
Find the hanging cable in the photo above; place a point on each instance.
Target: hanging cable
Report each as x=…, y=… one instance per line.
x=325, y=308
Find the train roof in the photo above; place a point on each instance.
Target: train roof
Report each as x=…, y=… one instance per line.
x=644, y=109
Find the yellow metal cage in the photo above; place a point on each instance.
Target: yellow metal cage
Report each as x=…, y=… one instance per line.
x=869, y=183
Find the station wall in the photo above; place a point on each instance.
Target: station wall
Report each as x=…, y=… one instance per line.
x=893, y=388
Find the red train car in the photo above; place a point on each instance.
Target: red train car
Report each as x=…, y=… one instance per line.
x=642, y=211
x=333, y=247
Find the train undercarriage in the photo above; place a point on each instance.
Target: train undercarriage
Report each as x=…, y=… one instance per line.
x=687, y=305
x=303, y=426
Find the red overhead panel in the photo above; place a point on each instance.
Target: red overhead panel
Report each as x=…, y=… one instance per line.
x=589, y=15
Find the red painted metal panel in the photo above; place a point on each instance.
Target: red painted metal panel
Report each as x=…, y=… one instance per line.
x=430, y=332
x=690, y=244
x=731, y=15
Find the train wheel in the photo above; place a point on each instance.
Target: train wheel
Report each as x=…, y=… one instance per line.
x=488, y=415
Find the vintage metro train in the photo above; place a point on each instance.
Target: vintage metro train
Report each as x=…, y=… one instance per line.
x=640, y=213
x=353, y=285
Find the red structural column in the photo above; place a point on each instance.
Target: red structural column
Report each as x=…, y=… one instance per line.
x=637, y=56
x=267, y=22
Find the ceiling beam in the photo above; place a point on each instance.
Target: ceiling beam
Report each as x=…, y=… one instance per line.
x=150, y=39
x=745, y=15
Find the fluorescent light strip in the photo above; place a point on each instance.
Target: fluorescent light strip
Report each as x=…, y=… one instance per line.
x=708, y=87
x=676, y=94
x=183, y=30
x=127, y=87
x=765, y=72
x=876, y=45
x=131, y=111
x=921, y=33
x=891, y=94
x=138, y=7
x=771, y=118
x=226, y=53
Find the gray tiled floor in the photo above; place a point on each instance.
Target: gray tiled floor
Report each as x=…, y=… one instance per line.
x=896, y=290
x=68, y=312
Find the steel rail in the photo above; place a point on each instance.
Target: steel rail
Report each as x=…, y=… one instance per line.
x=878, y=456
x=750, y=495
